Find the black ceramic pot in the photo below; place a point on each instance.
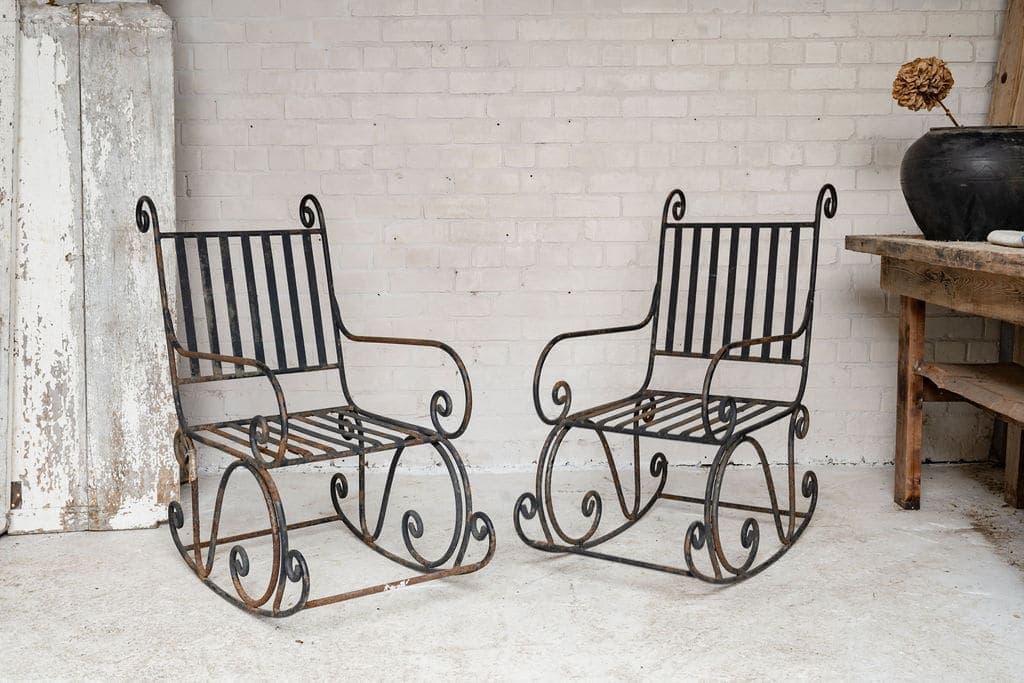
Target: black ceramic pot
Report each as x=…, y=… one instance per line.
x=962, y=183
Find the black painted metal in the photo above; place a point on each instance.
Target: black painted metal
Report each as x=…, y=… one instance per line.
x=314, y=299
x=232, y=303
x=266, y=442
x=185, y=289
x=791, y=283
x=962, y=183
x=701, y=417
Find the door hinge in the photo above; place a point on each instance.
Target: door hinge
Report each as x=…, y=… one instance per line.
x=15, y=495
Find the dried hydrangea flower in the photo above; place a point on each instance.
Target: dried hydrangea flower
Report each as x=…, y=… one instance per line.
x=923, y=84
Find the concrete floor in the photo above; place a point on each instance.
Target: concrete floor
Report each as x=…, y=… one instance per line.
x=869, y=592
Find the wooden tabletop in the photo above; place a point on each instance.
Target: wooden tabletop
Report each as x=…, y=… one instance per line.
x=967, y=255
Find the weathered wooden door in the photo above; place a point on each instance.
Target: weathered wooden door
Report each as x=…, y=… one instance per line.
x=8, y=70
x=5, y=489
x=89, y=418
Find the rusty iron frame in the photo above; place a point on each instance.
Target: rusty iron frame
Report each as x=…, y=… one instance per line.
x=266, y=442
x=699, y=417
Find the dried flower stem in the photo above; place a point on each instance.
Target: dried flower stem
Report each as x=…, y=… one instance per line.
x=949, y=114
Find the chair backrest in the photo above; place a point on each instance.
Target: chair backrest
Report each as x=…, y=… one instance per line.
x=263, y=294
x=723, y=282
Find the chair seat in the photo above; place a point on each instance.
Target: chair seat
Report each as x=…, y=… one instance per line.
x=677, y=415
x=317, y=435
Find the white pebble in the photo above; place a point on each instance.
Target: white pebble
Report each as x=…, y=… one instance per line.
x=1007, y=238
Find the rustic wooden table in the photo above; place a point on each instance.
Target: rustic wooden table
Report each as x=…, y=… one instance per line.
x=973, y=277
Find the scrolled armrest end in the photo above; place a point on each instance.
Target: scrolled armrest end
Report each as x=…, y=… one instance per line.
x=259, y=436
x=561, y=395
x=727, y=415
x=441, y=405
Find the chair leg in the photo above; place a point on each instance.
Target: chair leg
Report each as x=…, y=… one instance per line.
x=466, y=522
x=290, y=566
x=287, y=566
x=706, y=532
x=539, y=504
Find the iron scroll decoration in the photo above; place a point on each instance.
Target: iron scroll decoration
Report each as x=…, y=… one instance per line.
x=726, y=422
x=267, y=437
x=440, y=404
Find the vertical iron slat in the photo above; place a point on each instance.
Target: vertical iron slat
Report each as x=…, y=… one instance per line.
x=673, y=294
x=254, y=304
x=186, y=302
x=691, y=295
x=730, y=287
x=794, y=257
x=211, y=310
x=293, y=299
x=748, y=306
x=769, y=292
x=275, y=308
x=314, y=299
x=232, y=302
x=709, y=310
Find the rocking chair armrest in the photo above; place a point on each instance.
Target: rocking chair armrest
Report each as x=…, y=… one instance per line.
x=727, y=406
x=441, y=400
x=259, y=430
x=561, y=392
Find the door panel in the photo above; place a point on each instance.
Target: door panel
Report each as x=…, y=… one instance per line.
x=8, y=70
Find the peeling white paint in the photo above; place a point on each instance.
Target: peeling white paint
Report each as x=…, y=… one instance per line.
x=48, y=377
x=127, y=150
x=135, y=514
x=92, y=416
x=8, y=94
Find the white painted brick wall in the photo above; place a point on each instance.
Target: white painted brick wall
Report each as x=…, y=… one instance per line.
x=492, y=172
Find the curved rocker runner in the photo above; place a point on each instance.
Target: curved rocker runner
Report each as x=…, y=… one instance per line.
x=741, y=294
x=279, y=315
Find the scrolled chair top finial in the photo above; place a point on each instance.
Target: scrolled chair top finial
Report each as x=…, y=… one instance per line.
x=310, y=212
x=828, y=201
x=675, y=207
x=145, y=215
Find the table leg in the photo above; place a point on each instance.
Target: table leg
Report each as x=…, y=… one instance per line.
x=909, y=401
x=1013, y=478
x=1013, y=482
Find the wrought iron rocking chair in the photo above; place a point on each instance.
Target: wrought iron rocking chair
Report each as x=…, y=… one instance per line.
x=310, y=341
x=701, y=416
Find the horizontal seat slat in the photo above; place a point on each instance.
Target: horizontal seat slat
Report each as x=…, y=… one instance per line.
x=748, y=416
x=345, y=433
x=692, y=403
x=636, y=408
x=354, y=427
x=270, y=448
x=691, y=417
x=314, y=435
x=675, y=415
x=714, y=419
x=295, y=434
